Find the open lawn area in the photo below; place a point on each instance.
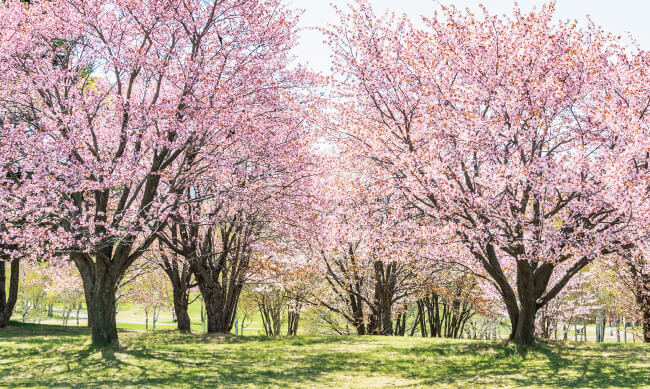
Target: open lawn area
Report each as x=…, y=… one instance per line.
x=53, y=356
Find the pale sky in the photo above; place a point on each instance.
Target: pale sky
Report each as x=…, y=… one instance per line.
x=616, y=16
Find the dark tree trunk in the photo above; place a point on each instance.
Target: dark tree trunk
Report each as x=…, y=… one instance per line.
x=218, y=257
x=220, y=305
x=180, y=276
x=292, y=323
x=385, y=280
x=271, y=305
x=358, y=321
x=641, y=282
x=100, y=282
x=448, y=323
x=435, y=320
x=524, y=331
x=8, y=302
x=422, y=318
x=182, y=317
x=532, y=294
x=400, y=324
x=101, y=312
x=386, y=320
x=220, y=315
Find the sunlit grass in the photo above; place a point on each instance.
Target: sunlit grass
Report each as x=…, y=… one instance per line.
x=51, y=356
x=131, y=317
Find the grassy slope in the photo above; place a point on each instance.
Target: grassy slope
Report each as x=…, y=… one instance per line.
x=33, y=356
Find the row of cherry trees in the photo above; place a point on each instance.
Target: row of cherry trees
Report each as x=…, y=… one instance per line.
x=510, y=150
x=125, y=120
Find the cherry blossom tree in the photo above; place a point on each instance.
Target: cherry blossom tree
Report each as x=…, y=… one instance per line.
x=639, y=278
x=629, y=284
x=116, y=106
x=149, y=291
x=629, y=172
x=353, y=242
x=229, y=223
x=67, y=288
x=445, y=303
x=221, y=257
x=496, y=130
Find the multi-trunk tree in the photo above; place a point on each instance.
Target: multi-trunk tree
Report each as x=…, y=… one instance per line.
x=358, y=250
x=220, y=256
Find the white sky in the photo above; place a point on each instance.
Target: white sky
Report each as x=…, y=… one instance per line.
x=616, y=16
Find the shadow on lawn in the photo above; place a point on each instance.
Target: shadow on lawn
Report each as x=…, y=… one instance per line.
x=184, y=360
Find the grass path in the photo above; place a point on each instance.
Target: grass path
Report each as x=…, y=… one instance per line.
x=52, y=356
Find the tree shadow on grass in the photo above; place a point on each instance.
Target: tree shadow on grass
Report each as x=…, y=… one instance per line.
x=168, y=359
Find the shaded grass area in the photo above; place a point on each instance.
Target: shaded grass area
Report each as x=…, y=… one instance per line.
x=53, y=356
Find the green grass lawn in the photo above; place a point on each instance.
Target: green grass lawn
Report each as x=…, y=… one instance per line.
x=131, y=317
x=53, y=356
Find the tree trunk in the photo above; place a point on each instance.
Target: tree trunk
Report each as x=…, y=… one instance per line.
x=361, y=328
x=180, y=276
x=292, y=325
x=78, y=309
x=524, y=330
x=182, y=317
x=7, y=303
x=202, y=316
x=220, y=296
x=100, y=285
x=381, y=322
x=216, y=318
x=220, y=313
x=356, y=307
x=400, y=324
x=101, y=308
x=600, y=328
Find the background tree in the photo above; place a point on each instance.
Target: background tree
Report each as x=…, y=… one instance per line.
x=67, y=289
x=178, y=271
x=149, y=290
